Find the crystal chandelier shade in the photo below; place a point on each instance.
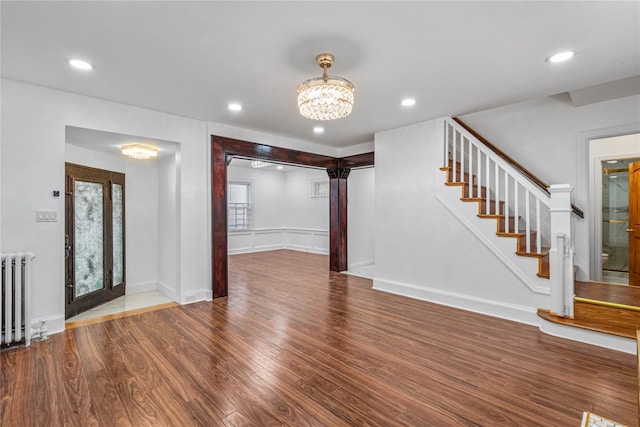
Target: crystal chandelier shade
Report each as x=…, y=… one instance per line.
x=325, y=98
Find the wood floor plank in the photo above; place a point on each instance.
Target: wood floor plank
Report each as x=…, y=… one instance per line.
x=296, y=345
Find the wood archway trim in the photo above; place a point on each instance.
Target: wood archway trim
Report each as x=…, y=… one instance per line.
x=224, y=149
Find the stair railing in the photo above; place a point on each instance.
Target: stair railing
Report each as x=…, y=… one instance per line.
x=525, y=208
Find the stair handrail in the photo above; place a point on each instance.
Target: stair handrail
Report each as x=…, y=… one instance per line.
x=514, y=164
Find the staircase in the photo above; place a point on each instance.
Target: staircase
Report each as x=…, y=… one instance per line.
x=507, y=225
x=536, y=216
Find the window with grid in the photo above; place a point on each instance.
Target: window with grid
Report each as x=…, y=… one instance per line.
x=239, y=208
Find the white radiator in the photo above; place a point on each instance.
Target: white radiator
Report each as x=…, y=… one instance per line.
x=15, y=323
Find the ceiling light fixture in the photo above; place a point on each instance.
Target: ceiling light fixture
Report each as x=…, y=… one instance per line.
x=408, y=102
x=280, y=167
x=561, y=56
x=139, y=151
x=259, y=164
x=318, y=129
x=325, y=98
x=80, y=64
x=234, y=107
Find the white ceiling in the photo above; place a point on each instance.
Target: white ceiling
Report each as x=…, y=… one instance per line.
x=192, y=58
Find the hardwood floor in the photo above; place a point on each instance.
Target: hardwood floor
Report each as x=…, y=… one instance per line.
x=294, y=344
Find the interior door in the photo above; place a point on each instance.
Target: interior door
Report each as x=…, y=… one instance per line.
x=94, y=240
x=634, y=224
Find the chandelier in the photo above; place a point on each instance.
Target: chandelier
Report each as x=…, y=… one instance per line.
x=139, y=151
x=325, y=98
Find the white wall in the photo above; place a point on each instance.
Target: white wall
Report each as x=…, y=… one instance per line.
x=268, y=195
x=361, y=217
x=300, y=209
x=168, y=232
x=421, y=250
x=550, y=137
x=285, y=216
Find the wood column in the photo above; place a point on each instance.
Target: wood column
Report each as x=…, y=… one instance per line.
x=338, y=218
x=219, y=218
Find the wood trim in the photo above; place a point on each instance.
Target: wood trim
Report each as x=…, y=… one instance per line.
x=121, y=315
x=534, y=179
x=358, y=161
x=245, y=149
x=338, y=219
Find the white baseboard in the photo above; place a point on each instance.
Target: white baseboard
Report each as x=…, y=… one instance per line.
x=307, y=249
x=136, y=288
x=521, y=314
x=517, y=313
x=55, y=323
x=360, y=264
x=197, y=295
x=613, y=342
x=167, y=290
x=248, y=250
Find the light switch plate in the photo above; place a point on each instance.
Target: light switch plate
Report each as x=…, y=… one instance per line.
x=46, y=216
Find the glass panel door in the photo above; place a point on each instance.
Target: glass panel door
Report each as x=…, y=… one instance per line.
x=89, y=237
x=95, y=237
x=117, y=207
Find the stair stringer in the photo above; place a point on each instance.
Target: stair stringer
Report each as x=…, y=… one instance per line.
x=501, y=247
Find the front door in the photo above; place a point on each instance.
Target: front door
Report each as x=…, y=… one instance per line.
x=634, y=224
x=94, y=239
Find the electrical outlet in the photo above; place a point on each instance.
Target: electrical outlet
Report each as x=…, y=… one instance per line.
x=46, y=216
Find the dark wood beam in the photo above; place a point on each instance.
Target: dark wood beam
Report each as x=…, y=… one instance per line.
x=358, y=161
x=338, y=219
x=219, y=217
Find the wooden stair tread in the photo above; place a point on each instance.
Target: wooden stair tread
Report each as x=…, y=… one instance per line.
x=466, y=181
x=620, y=331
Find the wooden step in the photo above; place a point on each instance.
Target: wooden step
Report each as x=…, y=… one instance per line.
x=587, y=324
x=603, y=307
x=496, y=211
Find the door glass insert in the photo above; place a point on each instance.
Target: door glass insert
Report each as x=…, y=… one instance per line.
x=118, y=247
x=88, y=231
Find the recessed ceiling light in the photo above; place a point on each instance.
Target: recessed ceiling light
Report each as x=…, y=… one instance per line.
x=318, y=129
x=408, y=102
x=280, y=167
x=235, y=107
x=612, y=162
x=80, y=64
x=561, y=56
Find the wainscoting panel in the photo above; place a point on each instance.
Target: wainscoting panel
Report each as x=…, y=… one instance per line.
x=268, y=239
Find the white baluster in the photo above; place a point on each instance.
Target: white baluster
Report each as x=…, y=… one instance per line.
x=488, y=184
x=539, y=227
x=455, y=156
x=506, y=202
x=446, y=144
x=462, y=158
x=497, y=190
x=479, y=180
x=515, y=204
x=527, y=221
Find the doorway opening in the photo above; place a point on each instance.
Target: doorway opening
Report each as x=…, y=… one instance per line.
x=615, y=220
x=151, y=220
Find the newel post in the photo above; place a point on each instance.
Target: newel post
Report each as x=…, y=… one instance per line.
x=561, y=252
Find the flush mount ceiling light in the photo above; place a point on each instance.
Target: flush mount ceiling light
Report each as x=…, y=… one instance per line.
x=139, y=151
x=234, y=107
x=80, y=64
x=318, y=129
x=259, y=164
x=408, y=102
x=325, y=98
x=561, y=56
